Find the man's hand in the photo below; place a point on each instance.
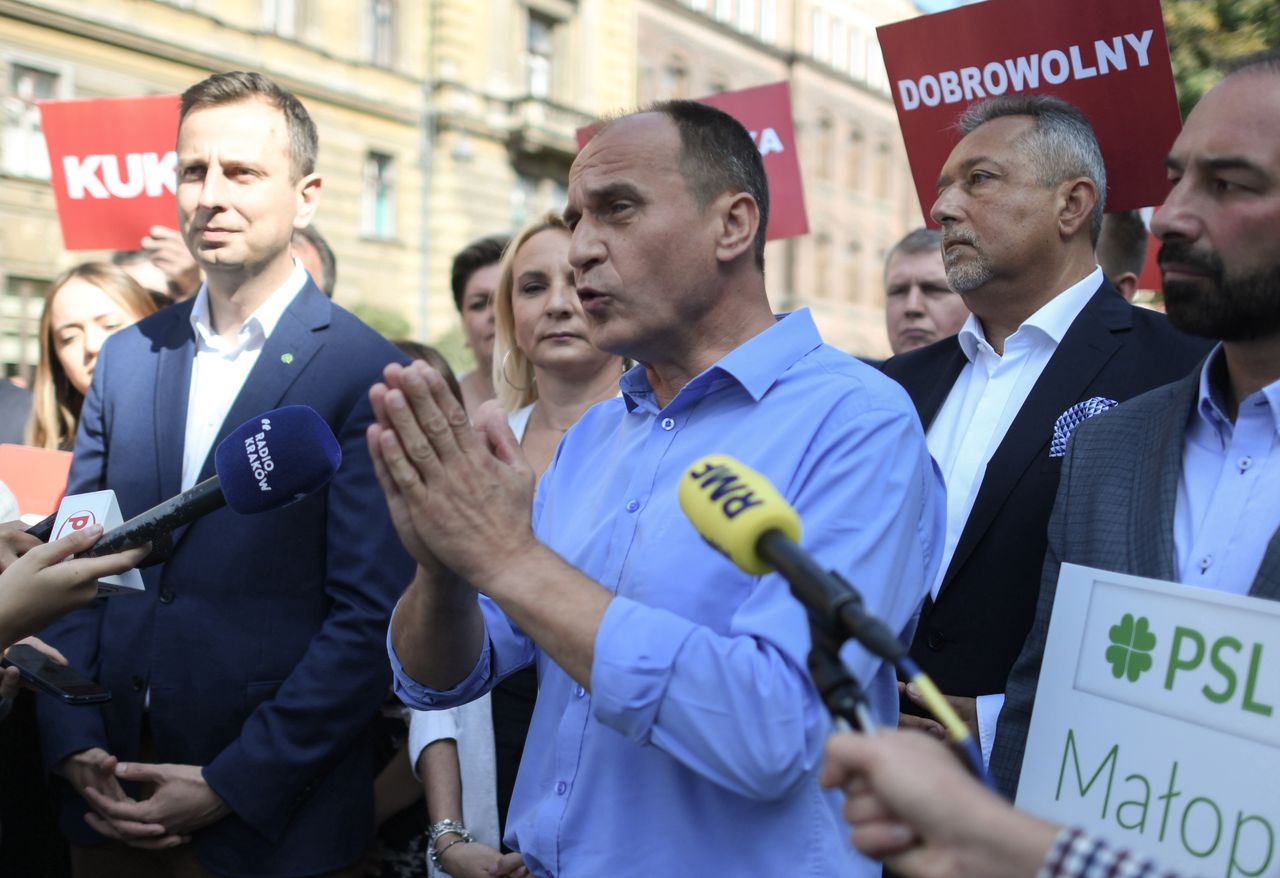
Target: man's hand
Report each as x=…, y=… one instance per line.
x=180, y=803
x=966, y=708
x=92, y=773
x=477, y=860
x=43, y=585
x=912, y=804
x=169, y=253
x=458, y=494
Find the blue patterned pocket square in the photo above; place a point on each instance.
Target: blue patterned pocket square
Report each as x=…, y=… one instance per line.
x=1071, y=418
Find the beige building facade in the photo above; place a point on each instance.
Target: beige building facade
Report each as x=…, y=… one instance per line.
x=444, y=120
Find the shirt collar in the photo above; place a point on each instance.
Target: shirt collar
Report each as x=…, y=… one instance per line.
x=263, y=319
x=754, y=365
x=1211, y=404
x=1052, y=320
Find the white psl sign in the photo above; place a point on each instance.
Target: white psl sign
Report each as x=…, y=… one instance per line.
x=1156, y=722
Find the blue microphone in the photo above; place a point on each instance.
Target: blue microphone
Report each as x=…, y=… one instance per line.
x=266, y=463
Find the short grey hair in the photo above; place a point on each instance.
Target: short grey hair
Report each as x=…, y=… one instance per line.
x=1062, y=146
x=921, y=240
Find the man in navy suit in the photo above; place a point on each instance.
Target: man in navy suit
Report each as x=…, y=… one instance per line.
x=1049, y=343
x=238, y=742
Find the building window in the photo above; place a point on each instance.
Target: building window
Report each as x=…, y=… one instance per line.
x=722, y=10
x=747, y=16
x=719, y=82
x=382, y=20
x=820, y=36
x=876, y=76
x=540, y=52
x=378, y=207
x=857, y=54
x=768, y=20
x=839, y=46
x=825, y=147
x=22, y=149
x=884, y=169
x=675, y=79
x=20, y=307
x=853, y=271
x=284, y=17
x=822, y=266
x=855, y=157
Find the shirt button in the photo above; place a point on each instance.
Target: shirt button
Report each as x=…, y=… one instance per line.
x=1244, y=463
x=1205, y=562
x=633, y=505
x=561, y=787
x=668, y=424
x=136, y=683
x=166, y=596
x=579, y=692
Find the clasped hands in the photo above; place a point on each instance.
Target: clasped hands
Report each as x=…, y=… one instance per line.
x=459, y=494
x=180, y=801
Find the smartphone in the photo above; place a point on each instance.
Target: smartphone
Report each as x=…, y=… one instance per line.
x=48, y=676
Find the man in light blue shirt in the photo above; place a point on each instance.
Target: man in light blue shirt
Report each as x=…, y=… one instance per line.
x=676, y=730
x=1183, y=483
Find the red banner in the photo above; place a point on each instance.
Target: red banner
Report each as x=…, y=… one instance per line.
x=1108, y=58
x=765, y=111
x=113, y=168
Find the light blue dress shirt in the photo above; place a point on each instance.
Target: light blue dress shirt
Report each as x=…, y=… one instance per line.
x=1228, y=503
x=696, y=750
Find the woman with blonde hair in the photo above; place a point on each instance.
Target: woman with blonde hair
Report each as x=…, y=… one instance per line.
x=547, y=374
x=85, y=304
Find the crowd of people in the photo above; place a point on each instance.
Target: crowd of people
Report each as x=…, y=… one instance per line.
x=494, y=645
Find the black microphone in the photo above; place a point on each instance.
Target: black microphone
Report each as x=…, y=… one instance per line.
x=266, y=463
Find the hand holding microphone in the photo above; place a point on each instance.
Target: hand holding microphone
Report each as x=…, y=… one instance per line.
x=740, y=514
x=266, y=463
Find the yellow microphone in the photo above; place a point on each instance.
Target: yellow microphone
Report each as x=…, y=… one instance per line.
x=742, y=516
x=732, y=506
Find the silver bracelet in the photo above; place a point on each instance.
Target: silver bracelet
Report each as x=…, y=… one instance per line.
x=438, y=831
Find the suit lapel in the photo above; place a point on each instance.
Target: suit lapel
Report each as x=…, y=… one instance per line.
x=1267, y=583
x=1089, y=343
x=173, y=386
x=930, y=395
x=1156, y=484
x=291, y=345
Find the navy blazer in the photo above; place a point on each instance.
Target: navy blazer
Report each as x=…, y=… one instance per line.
x=262, y=640
x=968, y=639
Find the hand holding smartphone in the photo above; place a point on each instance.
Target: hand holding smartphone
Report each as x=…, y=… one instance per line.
x=48, y=676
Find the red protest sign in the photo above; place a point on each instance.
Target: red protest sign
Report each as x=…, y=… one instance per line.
x=765, y=111
x=1109, y=59
x=113, y=168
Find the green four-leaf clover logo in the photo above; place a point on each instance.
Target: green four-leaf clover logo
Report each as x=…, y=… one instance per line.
x=1130, y=649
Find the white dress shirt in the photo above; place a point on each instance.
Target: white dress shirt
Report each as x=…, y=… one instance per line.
x=976, y=415
x=1228, y=504
x=220, y=368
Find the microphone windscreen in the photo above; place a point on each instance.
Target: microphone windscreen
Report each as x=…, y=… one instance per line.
x=732, y=506
x=276, y=458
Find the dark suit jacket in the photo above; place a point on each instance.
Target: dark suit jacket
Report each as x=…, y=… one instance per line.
x=968, y=639
x=262, y=640
x=15, y=408
x=1114, y=511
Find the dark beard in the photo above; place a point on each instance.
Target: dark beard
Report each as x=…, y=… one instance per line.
x=1221, y=306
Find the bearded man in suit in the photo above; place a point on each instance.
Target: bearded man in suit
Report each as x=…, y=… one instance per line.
x=1182, y=483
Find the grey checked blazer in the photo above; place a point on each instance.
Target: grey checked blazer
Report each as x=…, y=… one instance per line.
x=1114, y=511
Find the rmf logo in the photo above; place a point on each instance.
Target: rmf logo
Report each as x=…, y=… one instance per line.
x=76, y=521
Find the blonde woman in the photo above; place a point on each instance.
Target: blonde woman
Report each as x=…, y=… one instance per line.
x=85, y=304
x=546, y=374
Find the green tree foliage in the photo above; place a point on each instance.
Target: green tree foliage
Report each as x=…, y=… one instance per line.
x=1203, y=33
